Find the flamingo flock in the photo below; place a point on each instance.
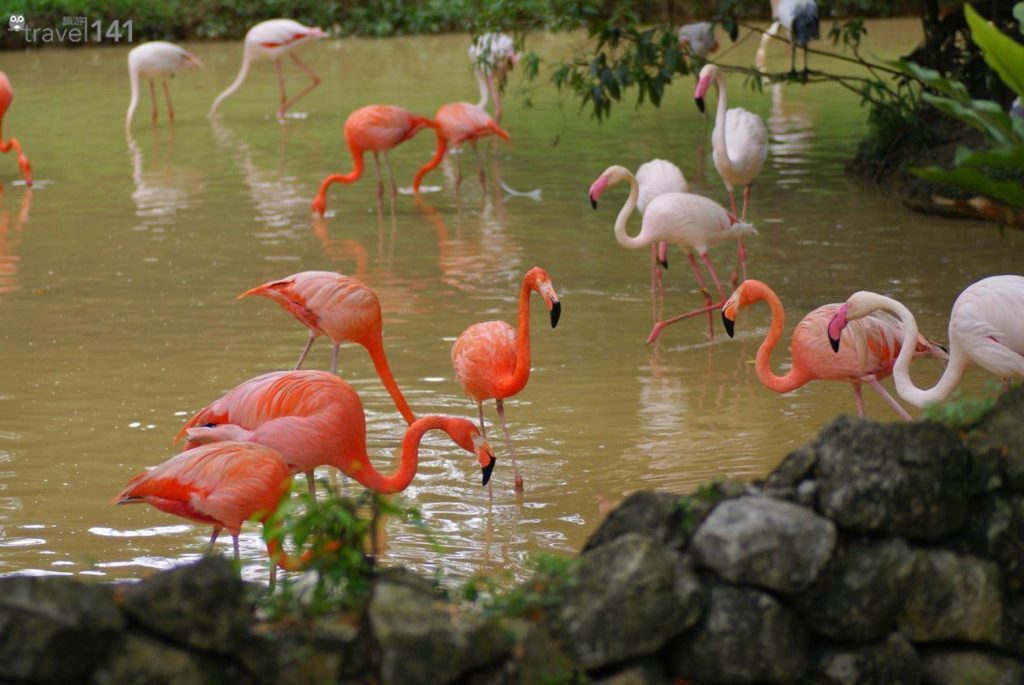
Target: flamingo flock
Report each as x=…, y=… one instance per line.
x=242, y=450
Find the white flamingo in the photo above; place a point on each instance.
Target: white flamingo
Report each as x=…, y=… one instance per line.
x=655, y=178
x=693, y=222
x=800, y=19
x=493, y=55
x=739, y=145
x=156, y=60
x=986, y=327
x=698, y=38
x=273, y=39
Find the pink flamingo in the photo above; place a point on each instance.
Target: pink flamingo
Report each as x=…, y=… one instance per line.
x=457, y=123
x=342, y=308
x=739, y=145
x=224, y=484
x=986, y=327
x=377, y=128
x=658, y=177
x=871, y=347
x=692, y=222
x=161, y=60
x=273, y=39
x=492, y=359
x=314, y=418
x=493, y=55
x=6, y=95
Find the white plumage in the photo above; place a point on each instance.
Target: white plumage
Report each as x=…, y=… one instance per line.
x=156, y=60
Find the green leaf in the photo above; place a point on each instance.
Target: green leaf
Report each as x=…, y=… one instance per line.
x=1008, y=192
x=1002, y=53
x=998, y=158
x=995, y=125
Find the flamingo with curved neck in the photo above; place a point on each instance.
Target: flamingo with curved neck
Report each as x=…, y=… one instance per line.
x=314, y=418
x=986, y=327
x=492, y=359
x=872, y=346
x=693, y=222
x=6, y=95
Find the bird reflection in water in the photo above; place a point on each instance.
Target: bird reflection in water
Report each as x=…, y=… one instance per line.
x=162, y=192
x=10, y=239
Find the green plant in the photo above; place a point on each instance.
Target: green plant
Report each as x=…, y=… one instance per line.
x=960, y=411
x=553, y=574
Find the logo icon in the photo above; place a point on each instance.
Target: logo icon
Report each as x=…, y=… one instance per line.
x=16, y=22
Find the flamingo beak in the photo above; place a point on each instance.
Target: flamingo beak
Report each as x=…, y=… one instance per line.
x=700, y=104
x=836, y=326
x=729, y=318
x=596, y=188
x=556, y=312
x=486, y=470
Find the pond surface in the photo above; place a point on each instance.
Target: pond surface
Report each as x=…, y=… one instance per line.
x=119, y=273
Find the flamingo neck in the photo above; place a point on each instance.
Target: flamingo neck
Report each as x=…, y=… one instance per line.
x=239, y=80
x=624, y=213
x=352, y=176
x=797, y=376
x=371, y=478
x=517, y=381
x=955, y=367
x=133, y=80
x=718, y=142
x=442, y=146
x=380, y=362
x=482, y=83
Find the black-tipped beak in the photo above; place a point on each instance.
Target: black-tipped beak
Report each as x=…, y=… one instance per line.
x=834, y=342
x=487, y=470
x=941, y=347
x=663, y=263
x=593, y=202
x=730, y=325
x=556, y=313
x=700, y=104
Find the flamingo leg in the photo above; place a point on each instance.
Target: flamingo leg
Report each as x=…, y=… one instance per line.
x=708, y=307
x=311, y=484
x=480, y=408
x=313, y=77
x=234, y=540
x=391, y=176
x=273, y=574
x=334, y=358
x=497, y=98
x=508, y=442
x=479, y=165
x=890, y=399
x=858, y=398
x=283, y=98
x=732, y=201
x=152, y=98
x=305, y=350
x=380, y=181
x=661, y=325
x=458, y=168
x=213, y=539
x=167, y=97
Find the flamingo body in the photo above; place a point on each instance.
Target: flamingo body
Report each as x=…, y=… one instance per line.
x=986, y=327
x=457, y=123
x=658, y=177
x=156, y=60
x=698, y=38
x=314, y=418
x=272, y=40
x=6, y=96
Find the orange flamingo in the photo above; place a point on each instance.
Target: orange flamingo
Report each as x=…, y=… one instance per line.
x=870, y=346
x=224, y=484
x=457, y=123
x=6, y=95
x=492, y=359
x=314, y=418
x=375, y=128
x=342, y=308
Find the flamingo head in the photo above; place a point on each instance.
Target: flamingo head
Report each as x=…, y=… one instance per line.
x=466, y=435
x=319, y=205
x=859, y=305
x=539, y=281
x=836, y=326
x=316, y=32
x=707, y=75
x=608, y=177
x=732, y=307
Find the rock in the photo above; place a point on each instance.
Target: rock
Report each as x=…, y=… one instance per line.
x=330, y=649
x=646, y=672
x=55, y=629
x=630, y=597
x=953, y=597
x=1000, y=435
x=536, y=658
x=766, y=542
x=901, y=479
x=1015, y=625
x=970, y=667
x=995, y=529
x=746, y=636
x=797, y=466
x=408, y=619
x=860, y=593
x=893, y=662
x=658, y=515
x=141, y=660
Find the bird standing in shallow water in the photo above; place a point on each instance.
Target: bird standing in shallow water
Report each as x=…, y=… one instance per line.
x=273, y=39
x=6, y=95
x=869, y=353
x=492, y=359
x=156, y=60
x=986, y=327
x=457, y=123
x=493, y=55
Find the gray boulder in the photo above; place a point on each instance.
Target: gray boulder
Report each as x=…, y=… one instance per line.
x=893, y=662
x=766, y=542
x=55, y=629
x=953, y=597
x=536, y=657
x=630, y=597
x=330, y=649
x=970, y=667
x=746, y=636
x=646, y=672
x=995, y=529
x=785, y=478
x=999, y=436
x=902, y=479
x=141, y=660
x=860, y=593
x=658, y=515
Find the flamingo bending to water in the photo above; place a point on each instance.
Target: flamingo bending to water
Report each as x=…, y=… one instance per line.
x=156, y=60
x=273, y=39
x=6, y=95
x=986, y=327
x=493, y=55
x=223, y=484
x=871, y=346
x=492, y=359
x=457, y=123
x=693, y=222
x=375, y=128
x=314, y=418
x=739, y=145
x=342, y=308
x=655, y=178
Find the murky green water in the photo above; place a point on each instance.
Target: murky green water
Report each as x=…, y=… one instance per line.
x=118, y=277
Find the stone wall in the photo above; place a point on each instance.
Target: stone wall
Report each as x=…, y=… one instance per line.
x=878, y=554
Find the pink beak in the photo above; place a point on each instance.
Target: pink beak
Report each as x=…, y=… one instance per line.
x=596, y=189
